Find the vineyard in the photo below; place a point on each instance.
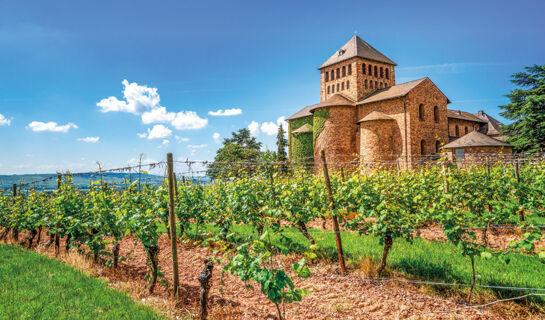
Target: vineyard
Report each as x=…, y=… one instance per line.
x=273, y=209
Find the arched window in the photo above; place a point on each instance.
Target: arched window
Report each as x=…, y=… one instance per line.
x=467, y=130
x=436, y=114
x=347, y=84
x=332, y=74
x=376, y=84
x=338, y=73
x=326, y=76
x=421, y=112
x=365, y=83
x=349, y=69
x=387, y=73
x=338, y=86
x=370, y=69
x=437, y=146
x=370, y=84
x=381, y=72
x=376, y=71
x=456, y=131
x=422, y=147
x=344, y=71
x=363, y=68
x=342, y=88
x=380, y=85
x=328, y=89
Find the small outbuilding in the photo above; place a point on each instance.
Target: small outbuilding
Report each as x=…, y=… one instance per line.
x=476, y=146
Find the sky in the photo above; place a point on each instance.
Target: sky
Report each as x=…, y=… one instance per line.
x=88, y=81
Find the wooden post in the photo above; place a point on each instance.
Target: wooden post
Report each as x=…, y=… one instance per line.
x=15, y=230
x=14, y=190
x=333, y=216
x=204, y=279
x=172, y=218
x=57, y=240
x=517, y=174
x=445, y=170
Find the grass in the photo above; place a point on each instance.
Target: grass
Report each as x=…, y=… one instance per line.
x=36, y=287
x=421, y=259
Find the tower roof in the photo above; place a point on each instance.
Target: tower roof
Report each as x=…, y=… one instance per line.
x=356, y=47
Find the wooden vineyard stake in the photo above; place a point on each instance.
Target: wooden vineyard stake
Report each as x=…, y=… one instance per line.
x=172, y=222
x=204, y=279
x=333, y=216
x=517, y=173
x=15, y=230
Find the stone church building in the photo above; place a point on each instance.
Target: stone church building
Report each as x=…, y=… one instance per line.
x=364, y=114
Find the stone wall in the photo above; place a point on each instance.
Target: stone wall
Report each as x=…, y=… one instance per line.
x=338, y=137
x=480, y=154
x=462, y=126
x=377, y=141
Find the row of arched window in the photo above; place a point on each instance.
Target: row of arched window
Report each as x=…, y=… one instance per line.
x=376, y=71
x=378, y=85
x=457, y=130
x=340, y=87
x=423, y=148
x=422, y=113
x=338, y=73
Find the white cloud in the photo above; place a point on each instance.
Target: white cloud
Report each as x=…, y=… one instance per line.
x=4, y=121
x=254, y=128
x=198, y=146
x=217, y=137
x=226, y=112
x=137, y=99
x=159, y=131
x=142, y=135
x=145, y=101
x=164, y=143
x=269, y=128
x=181, y=139
x=188, y=120
x=158, y=115
x=51, y=126
x=89, y=139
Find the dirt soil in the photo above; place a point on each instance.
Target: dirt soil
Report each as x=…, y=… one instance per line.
x=330, y=298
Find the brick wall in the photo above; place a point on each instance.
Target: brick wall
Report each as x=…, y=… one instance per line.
x=462, y=125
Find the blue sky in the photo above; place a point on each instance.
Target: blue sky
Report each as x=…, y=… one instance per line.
x=60, y=59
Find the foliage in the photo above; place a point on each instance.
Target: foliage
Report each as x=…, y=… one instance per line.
x=319, y=119
x=527, y=110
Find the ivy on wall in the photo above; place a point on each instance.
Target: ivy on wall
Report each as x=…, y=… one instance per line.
x=300, y=146
x=320, y=117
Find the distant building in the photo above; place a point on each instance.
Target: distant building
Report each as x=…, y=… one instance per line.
x=363, y=114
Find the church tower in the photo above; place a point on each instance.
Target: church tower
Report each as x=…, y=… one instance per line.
x=356, y=70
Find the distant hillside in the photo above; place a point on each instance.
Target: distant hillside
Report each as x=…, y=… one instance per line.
x=80, y=181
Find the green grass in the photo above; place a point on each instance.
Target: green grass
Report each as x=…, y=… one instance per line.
x=33, y=286
x=421, y=259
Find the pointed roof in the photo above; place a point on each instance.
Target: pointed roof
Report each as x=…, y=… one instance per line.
x=399, y=90
x=356, y=47
x=306, y=128
x=475, y=139
x=374, y=116
x=458, y=114
x=334, y=101
x=302, y=113
x=493, y=126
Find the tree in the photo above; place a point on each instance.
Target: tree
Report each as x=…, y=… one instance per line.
x=527, y=110
x=281, y=143
x=235, y=155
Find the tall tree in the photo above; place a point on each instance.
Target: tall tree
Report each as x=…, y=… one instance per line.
x=281, y=144
x=527, y=110
x=235, y=154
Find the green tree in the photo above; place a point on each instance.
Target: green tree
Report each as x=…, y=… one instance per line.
x=236, y=155
x=527, y=110
x=281, y=143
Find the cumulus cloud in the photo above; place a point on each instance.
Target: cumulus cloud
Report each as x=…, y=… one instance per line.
x=226, y=112
x=4, y=121
x=217, y=137
x=254, y=128
x=137, y=99
x=164, y=143
x=142, y=135
x=159, y=131
x=181, y=139
x=187, y=120
x=89, y=139
x=145, y=101
x=269, y=128
x=51, y=126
